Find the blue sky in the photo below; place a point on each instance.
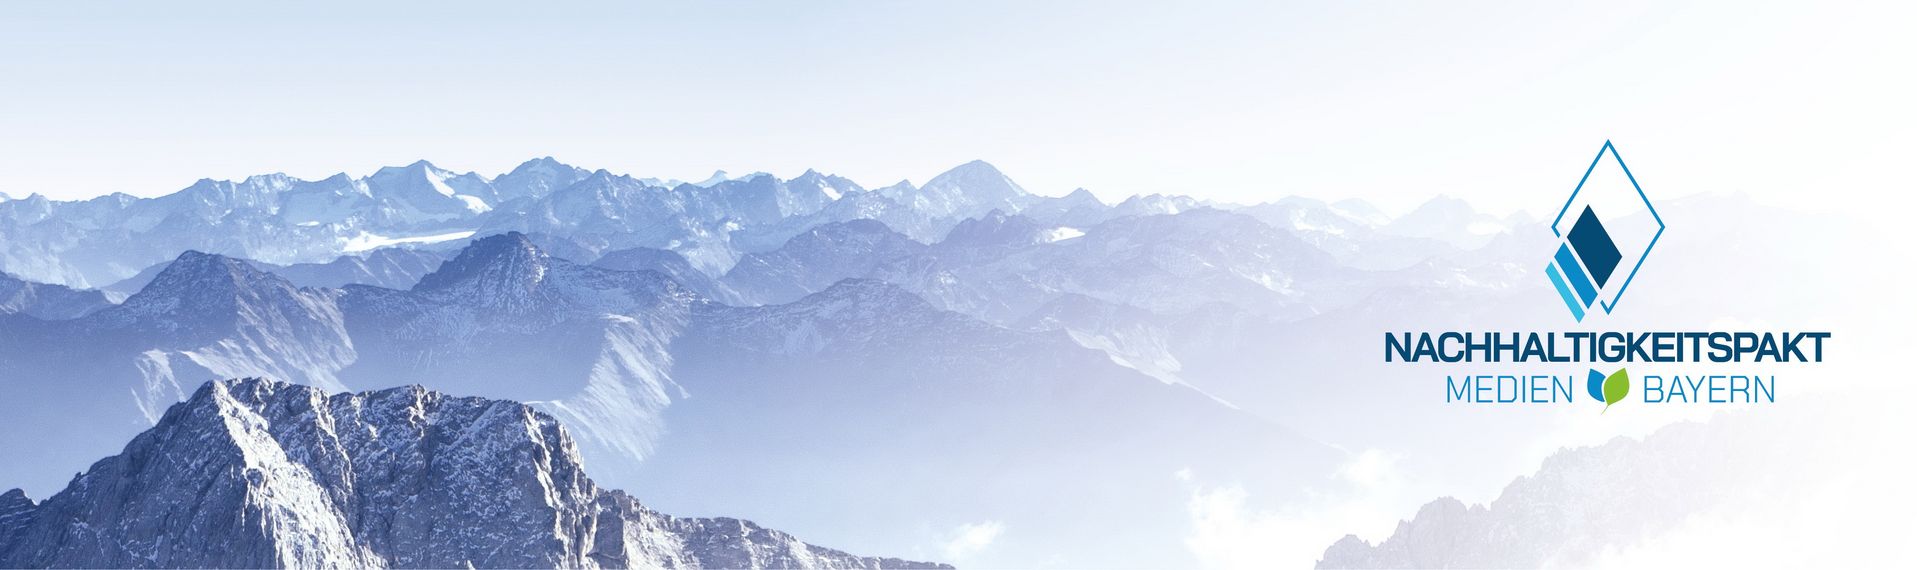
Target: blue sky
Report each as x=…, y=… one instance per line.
x=1245, y=101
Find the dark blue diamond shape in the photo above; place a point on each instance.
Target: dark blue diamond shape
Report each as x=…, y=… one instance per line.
x=1594, y=246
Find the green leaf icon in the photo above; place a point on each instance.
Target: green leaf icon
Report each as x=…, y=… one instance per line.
x=1616, y=387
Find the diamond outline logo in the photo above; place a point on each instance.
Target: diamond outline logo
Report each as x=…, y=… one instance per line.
x=1588, y=251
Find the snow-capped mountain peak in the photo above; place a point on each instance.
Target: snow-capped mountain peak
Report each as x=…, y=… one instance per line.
x=714, y=180
x=966, y=190
x=421, y=192
x=827, y=186
x=978, y=176
x=537, y=177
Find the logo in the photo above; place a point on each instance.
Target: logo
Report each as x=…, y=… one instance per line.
x=1587, y=262
x=1608, y=389
x=1606, y=229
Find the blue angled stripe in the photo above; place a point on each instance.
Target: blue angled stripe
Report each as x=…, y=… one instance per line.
x=1564, y=291
x=1575, y=275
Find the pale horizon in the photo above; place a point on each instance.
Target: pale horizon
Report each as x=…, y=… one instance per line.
x=1237, y=102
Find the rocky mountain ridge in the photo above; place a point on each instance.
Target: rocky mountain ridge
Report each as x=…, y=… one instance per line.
x=261, y=473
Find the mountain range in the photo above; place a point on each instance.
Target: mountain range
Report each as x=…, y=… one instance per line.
x=667, y=387
x=281, y=220
x=917, y=359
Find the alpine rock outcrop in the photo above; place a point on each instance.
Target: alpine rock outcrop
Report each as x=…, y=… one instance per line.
x=257, y=473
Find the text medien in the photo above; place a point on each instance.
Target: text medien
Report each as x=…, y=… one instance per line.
x=1658, y=389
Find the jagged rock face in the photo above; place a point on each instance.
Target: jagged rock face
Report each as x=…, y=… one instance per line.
x=512, y=279
x=501, y=272
x=632, y=536
x=259, y=473
x=16, y=510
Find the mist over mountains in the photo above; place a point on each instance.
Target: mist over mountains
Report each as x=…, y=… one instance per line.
x=1744, y=488
x=875, y=369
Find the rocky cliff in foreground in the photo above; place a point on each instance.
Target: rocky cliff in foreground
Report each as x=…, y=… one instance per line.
x=258, y=473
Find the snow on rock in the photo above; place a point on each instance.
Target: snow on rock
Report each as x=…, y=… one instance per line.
x=260, y=473
x=367, y=241
x=1063, y=233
